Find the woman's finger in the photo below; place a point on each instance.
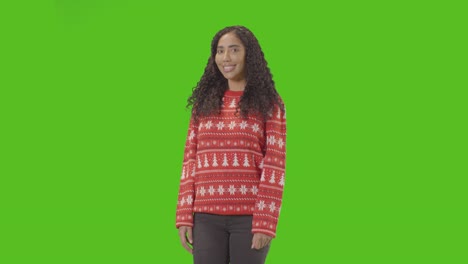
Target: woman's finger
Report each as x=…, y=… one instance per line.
x=183, y=239
x=189, y=235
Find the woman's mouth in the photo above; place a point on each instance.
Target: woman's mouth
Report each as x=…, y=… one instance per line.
x=229, y=68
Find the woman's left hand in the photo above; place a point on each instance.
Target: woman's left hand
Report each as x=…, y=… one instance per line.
x=260, y=240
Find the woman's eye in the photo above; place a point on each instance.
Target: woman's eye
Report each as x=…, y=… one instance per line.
x=220, y=51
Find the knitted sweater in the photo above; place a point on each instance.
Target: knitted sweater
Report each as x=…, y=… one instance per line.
x=234, y=166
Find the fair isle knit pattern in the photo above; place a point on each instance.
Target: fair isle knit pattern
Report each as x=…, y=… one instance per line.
x=234, y=166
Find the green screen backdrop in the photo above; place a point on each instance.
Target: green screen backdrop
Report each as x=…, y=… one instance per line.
x=93, y=124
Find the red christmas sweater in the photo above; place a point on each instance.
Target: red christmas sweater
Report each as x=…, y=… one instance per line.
x=234, y=166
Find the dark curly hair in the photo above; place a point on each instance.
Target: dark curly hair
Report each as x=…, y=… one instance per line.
x=260, y=95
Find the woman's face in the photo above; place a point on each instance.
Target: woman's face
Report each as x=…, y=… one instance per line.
x=230, y=57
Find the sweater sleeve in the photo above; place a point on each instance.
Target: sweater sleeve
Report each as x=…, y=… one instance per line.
x=270, y=191
x=184, y=212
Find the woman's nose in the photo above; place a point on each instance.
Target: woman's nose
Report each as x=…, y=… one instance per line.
x=226, y=56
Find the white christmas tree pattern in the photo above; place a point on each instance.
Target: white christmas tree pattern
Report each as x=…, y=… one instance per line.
x=263, y=176
x=281, y=182
x=235, y=163
x=206, y=162
x=233, y=104
x=215, y=161
x=225, y=161
x=246, y=161
x=272, y=179
x=199, y=163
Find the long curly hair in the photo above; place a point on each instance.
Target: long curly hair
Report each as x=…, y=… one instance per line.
x=260, y=95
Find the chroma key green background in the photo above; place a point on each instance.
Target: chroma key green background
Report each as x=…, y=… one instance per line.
x=93, y=124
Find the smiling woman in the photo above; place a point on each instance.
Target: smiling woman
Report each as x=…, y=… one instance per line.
x=234, y=164
x=230, y=60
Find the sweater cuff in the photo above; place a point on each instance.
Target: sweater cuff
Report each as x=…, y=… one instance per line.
x=264, y=227
x=185, y=219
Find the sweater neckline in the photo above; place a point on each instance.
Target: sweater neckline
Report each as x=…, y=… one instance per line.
x=233, y=93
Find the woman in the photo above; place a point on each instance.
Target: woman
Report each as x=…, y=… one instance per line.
x=234, y=161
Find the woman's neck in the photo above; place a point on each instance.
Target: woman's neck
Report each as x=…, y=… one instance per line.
x=236, y=85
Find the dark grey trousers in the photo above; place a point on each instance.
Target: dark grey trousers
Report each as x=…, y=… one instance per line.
x=223, y=239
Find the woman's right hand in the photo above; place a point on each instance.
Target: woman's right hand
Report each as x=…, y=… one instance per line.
x=185, y=234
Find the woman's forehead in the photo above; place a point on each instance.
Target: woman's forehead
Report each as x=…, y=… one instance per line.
x=229, y=39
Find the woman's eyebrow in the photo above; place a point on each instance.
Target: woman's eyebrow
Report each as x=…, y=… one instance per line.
x=230, y=46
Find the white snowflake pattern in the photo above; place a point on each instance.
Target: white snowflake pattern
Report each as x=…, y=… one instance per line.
x=221, y=190
x=261, y=205
x=211, y=190
x=243, y=189
x=272, y=207
x=243, y=124
x=182, y=202
x=280, y=142
x=202, y=191
x=255, y=128
x=232, y=190
x=254, y=190
x=220, y=125
x=189, y=199
x=209, y=124
x=271, y=140
x=232, y=125
x=192, y=135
